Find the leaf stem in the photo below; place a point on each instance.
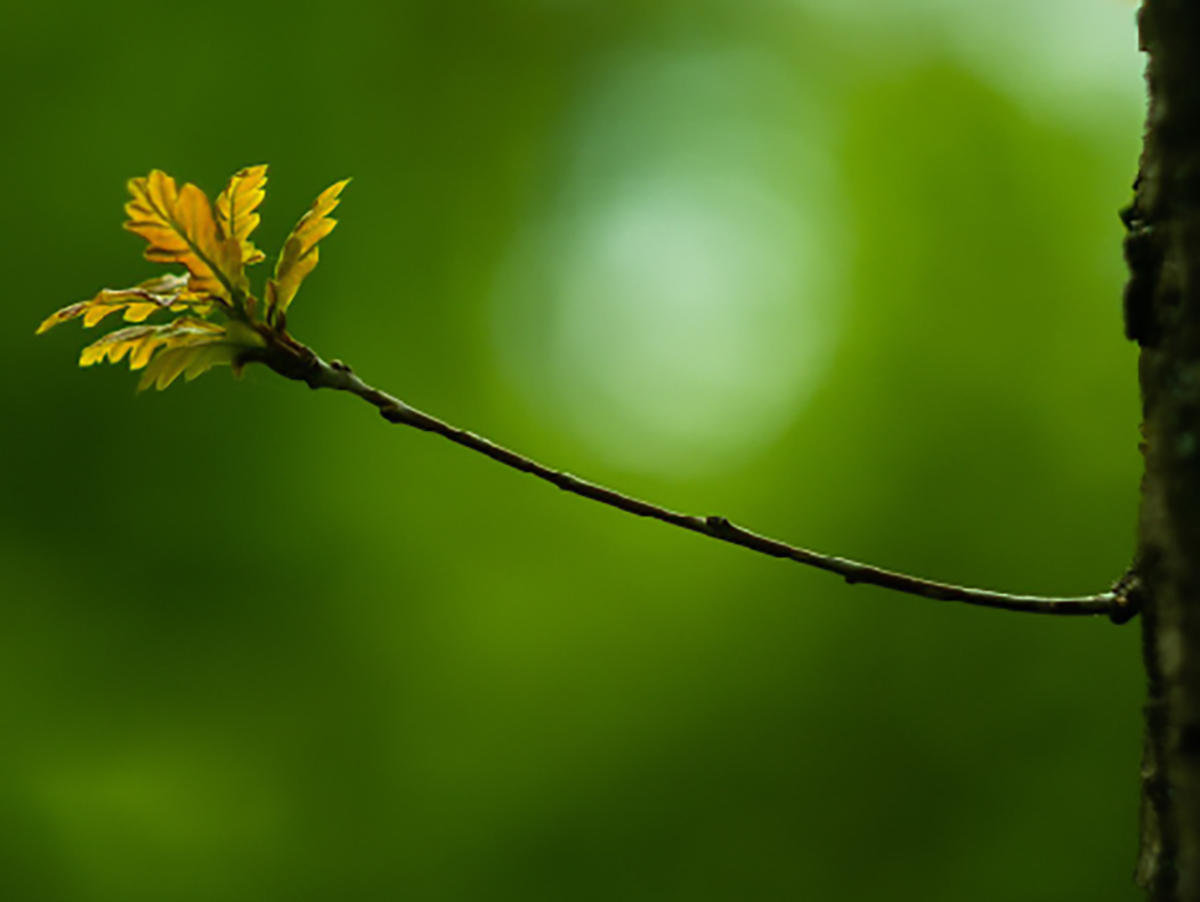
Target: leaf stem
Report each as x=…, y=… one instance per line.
x=1120, y=604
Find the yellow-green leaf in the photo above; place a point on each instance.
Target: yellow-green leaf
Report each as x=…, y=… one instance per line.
x=178, y=223
x=157, y=348
x=300, y=253
x=140, y=342
x=169, y=292
x=191, y=361
x=235, y=210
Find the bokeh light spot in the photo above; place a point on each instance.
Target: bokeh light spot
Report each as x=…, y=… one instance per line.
x=686, y=297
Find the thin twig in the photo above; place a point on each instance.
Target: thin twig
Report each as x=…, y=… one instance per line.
x=1120, y=604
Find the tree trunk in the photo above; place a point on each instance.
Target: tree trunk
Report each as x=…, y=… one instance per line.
x=1162, y=313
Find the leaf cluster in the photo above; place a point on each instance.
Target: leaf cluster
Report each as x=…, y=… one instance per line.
x=220, y=321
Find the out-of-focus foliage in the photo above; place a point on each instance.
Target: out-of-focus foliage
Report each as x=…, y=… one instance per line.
x=848, y=273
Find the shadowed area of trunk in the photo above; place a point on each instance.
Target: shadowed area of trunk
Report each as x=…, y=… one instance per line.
x=1162, y=308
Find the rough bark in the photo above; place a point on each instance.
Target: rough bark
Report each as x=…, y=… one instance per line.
x=1162, y=311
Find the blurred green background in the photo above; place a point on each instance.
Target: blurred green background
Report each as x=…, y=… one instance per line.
x=845, y=272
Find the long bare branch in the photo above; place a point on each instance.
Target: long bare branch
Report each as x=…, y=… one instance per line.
x=299, y=362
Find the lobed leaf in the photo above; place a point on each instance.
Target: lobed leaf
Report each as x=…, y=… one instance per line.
x=140, y=342
x=300, y=254
x=159, y=348
x=178, y=223
x=191, y=361
x=169, y=292
x=212, y=241
x=235, y=210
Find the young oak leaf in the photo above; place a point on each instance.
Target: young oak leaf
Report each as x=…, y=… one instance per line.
x=181, y=226
x=185, y=344
x=140, y=342
x=196, y=354
x=300, y=254
x=169, y=292
x=190, y=360
x=235, y=210
x=178, y=223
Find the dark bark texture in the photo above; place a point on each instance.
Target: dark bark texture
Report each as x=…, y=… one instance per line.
x=1162, y=313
